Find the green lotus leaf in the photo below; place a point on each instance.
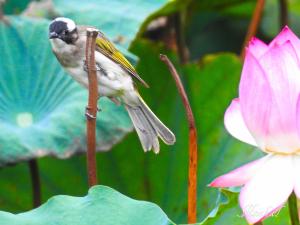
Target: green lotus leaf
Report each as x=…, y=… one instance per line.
x=41, y=107
x=119, y=21
x=14, y=6
x=102, y=205
x=217, y=4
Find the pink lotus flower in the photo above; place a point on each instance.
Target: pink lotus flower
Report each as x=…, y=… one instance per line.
x=267, y=115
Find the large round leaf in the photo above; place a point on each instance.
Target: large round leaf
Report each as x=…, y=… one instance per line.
x=102, y=205
x=41, y=107
x=118, y=20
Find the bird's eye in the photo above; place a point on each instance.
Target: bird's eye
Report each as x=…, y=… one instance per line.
x=65, y=32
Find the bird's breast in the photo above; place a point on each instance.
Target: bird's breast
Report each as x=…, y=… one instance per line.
x=68, y=55
x=113, y=80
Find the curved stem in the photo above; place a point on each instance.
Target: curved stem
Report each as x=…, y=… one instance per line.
x=35, y=181
x=252, y=29
x=293, y=209
x=91, y=109
x=193, y=146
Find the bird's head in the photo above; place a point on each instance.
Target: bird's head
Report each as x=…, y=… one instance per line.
x=64, y=29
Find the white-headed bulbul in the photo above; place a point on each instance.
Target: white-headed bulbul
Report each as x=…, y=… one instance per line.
x=115, y=77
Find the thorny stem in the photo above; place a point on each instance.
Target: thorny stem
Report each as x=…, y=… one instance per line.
x=284, y=17
x=193, y=152
x=91, y=109
x=253, y=26
x=293, y=209
x=35, y=181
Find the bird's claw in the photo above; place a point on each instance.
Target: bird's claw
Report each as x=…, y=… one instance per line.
x=88, y=115
x=86, y=68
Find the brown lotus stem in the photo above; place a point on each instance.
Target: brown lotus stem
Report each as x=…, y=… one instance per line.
x=253, y=26
x=193, y=146
x=91, y=109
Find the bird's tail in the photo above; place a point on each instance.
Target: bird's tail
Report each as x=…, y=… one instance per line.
x=149, y=127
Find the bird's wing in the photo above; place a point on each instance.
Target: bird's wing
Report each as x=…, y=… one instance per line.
x=104, y=46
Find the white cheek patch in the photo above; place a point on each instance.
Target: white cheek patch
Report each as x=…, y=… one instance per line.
x=57, y=43
x=61, y=47
x=70, y=23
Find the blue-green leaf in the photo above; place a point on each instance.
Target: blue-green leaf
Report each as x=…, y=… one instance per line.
x=41, y=107
x=14, y=6
x=120, y=21
x=102, y=205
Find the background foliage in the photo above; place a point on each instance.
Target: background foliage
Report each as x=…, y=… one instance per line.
x=214, y=32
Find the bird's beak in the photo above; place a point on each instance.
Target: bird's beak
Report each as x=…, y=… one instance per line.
x=53, y=35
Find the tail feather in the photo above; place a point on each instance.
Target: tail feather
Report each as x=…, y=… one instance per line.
x=164, y=133
x=149, y=127
x=145, y=131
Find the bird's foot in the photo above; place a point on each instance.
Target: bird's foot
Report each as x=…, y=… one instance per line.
x=86, y=68
x=88, y=115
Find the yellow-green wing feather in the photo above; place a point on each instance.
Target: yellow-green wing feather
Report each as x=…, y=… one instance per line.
x=104, y=46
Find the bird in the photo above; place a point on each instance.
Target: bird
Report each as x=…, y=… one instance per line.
x=117, y=78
